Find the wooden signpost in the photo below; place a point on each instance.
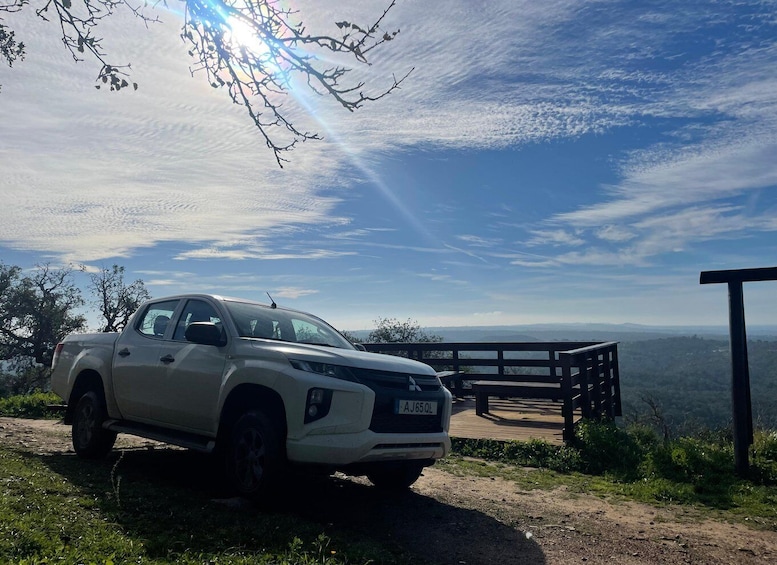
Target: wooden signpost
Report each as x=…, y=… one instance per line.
x=740, y=372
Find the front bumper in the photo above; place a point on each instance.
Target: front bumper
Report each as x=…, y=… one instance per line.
x=367, y=447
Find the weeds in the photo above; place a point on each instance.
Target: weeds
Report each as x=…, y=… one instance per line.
x=116, y=480
x=534, y=453
x=33, y=405
x=636, y=462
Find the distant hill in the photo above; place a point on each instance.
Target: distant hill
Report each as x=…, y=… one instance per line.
x=585, y=332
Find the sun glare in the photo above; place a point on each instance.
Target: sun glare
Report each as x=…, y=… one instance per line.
x=242, y=36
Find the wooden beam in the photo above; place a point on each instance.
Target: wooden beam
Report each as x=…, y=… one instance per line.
x=738, y=275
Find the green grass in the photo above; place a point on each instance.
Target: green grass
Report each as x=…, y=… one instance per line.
x=140, y=509
x=162, y=506
x=634, y=464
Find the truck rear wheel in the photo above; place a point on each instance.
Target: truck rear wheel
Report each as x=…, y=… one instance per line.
x=395, y=475
x=90, y=439
x=254, y=457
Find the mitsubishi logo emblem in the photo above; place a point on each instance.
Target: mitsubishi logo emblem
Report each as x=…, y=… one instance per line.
x=412, y=386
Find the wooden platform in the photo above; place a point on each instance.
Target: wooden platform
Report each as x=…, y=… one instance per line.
x=509, y=419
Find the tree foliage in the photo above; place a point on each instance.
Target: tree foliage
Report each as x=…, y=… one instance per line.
x=36, y=311
x=10, y=48
x=254, y=49
x=116, y=300
x=391, y=330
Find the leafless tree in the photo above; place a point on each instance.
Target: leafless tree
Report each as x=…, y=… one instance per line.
x=115, y=299
x=256, y=72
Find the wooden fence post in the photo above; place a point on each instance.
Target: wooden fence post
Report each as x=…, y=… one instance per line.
x=740, y=382
x=616, y=376
x=567, y=410
x=607, y=384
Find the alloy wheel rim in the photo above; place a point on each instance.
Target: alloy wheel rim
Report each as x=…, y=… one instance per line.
x=86, y=424
x=249, y=460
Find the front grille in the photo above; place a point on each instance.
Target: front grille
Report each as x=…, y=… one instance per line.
x=390, y=423
x=390, y=387
x=399, y=381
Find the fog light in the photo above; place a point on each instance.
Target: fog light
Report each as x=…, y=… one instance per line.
x=316, y=396
x=318, y=404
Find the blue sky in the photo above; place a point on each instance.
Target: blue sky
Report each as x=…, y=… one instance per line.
x=555, y=161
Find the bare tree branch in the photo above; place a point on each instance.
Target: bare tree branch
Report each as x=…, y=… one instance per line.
x=115, y=299
x=252, y=48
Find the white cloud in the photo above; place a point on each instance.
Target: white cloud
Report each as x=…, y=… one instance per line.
x=293, y=292
x=96, y=175
x=441, y=277
x=478, y=241
x=615, y=233
x=554, y=237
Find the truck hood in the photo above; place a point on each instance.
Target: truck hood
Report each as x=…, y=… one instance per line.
x=349, y=358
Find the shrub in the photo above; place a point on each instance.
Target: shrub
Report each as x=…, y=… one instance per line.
x=605, y=447
x=532, y=453
x=33, y=405
x=764, y=464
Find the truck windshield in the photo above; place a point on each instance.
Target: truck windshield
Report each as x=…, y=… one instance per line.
x=255, y=320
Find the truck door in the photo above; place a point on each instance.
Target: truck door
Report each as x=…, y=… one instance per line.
x=137, y=371
x=190, y=375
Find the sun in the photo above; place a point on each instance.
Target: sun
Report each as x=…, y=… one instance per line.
x=243, y=37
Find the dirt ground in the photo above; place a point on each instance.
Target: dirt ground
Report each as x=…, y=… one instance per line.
x=471, y=520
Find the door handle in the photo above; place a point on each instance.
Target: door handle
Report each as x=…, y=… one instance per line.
x=167, y=358
x=124, y=352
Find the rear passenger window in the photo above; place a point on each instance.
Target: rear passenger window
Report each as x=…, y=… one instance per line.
x=156, y=318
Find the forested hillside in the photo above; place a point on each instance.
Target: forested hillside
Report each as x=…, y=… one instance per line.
x=688, y=380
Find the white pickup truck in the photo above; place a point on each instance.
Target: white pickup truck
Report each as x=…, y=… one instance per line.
x=262, y=386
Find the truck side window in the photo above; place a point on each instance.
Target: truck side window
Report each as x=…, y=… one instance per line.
x=195, y=311
x=154, y=321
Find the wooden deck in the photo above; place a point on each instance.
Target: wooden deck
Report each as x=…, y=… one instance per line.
x=509, y=419
x=555, y=380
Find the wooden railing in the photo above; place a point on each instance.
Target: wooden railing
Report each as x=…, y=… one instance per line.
x=584, y=375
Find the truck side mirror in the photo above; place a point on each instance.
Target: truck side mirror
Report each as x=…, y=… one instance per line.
x=205, y=333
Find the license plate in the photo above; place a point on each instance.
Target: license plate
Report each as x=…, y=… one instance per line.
x=417, y=407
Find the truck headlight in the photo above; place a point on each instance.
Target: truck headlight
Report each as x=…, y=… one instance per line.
x=334, y=371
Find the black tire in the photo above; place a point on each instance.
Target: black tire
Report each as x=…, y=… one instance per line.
x=90, y=439
x=395, y=475
x=255, y=458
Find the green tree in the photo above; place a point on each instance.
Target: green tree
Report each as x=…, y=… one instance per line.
x=391, y=330
x=36, y=311
x=115, y=299
x=10, y=49
x=350, y=336
x=254, y=49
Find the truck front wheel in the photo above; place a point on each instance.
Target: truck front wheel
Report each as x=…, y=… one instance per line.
x=395, y=475
x=254, y=457
x=90, y=439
